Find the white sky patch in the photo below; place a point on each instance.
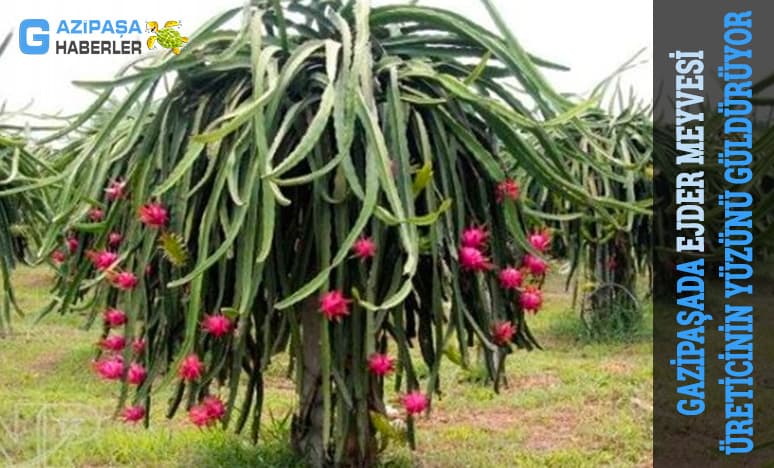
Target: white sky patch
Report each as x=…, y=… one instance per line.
x=593, y=38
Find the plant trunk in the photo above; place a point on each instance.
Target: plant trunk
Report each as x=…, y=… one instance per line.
x=307, y=429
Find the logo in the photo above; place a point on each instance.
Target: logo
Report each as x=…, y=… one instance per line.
x=31, y=42
x=168, y=37
x=105, y=37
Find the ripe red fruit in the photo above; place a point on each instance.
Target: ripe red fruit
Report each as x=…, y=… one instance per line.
x=96, y=215
x=510, y=278
x=364, y=248
x=216, y=325
x=381, y=364
x=115, y=190
x=540, y=240
x=472, y=259
x=191, y=368
x=474, y=237
x=114, y=239
x=154, y=215
x=414, y=402
x=334, y=305
x=536, y=266
x=211, y=410
x=507, y=190
x=215, y=407
x=531, y=299
x=125, y=280
x=133, y=414
x=113, y=343
x=58, y=257
x=110, y=369
x=138, y=346
x=114, y=317
x=502, y=332
x=136, y=374
x=72, y=244
x=200, y=416
x=103, y=260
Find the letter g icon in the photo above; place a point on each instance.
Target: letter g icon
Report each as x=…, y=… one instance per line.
x=38, y=43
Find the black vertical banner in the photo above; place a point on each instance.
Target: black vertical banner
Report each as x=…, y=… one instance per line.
x=714, y=231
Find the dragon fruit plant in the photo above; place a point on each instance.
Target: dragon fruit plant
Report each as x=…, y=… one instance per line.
x=23, y=206
x=20, y=209
x=609, y=252
x=329, y=181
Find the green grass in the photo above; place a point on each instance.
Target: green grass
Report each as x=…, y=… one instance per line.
x=577, y=403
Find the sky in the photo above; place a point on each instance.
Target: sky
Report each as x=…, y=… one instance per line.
x=594, y=38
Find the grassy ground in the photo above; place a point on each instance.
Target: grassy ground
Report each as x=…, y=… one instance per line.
x=578, y=403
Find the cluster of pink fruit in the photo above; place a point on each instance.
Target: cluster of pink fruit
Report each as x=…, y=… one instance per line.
x=112, y=366
x=191, y=368
x=153, y=215
x=334, y=306
x=414, y=402
x=472, y=258
x=211, y=409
